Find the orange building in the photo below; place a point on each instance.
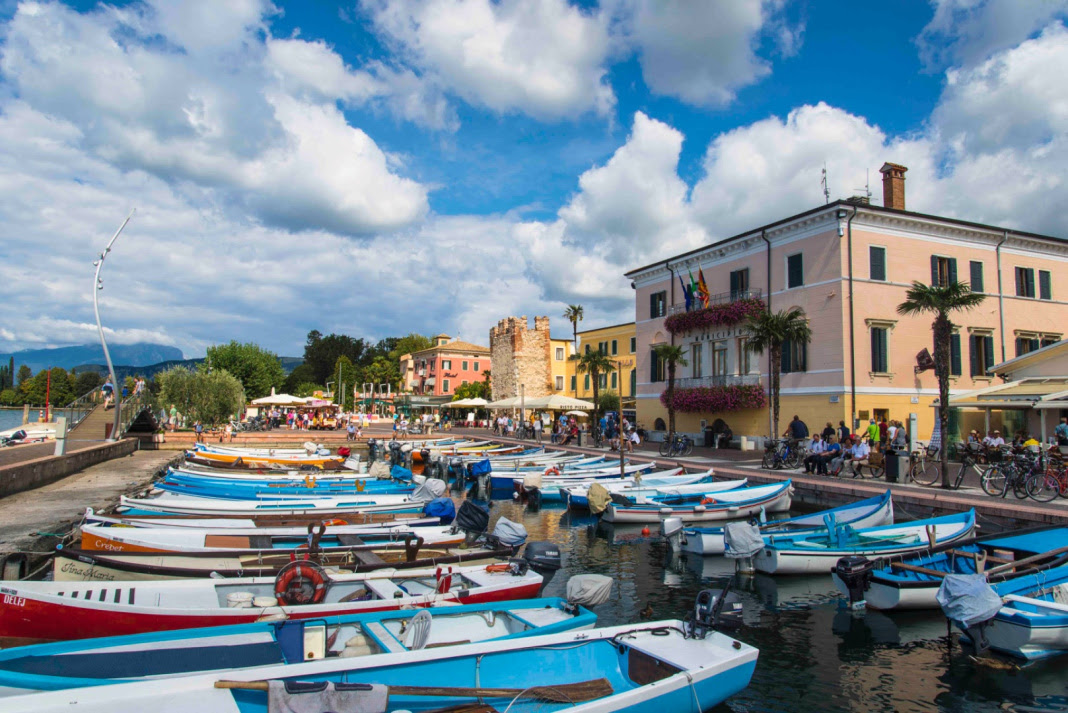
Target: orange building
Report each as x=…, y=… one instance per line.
x=847, y=265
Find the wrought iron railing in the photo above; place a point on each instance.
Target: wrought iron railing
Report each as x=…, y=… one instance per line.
x=76, y=411
x=723, y=298
x=132, y=407
x=692, y=382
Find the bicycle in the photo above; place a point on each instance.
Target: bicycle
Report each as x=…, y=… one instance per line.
x=676, y=444
x=1009, y=474
x=779, y=453
x=1046, y=483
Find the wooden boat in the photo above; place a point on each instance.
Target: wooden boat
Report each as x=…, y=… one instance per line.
x=366, y=520
x=871, y=512
x=650, y=667
x=77, y=565
x=911, y=581
x=316, y=507
x=248, y=490
x=818, y=553
x=270, y=476
x=160, y=655
x=1032, y=621
x=551, y=489
x=565, y=476
x=35, y=612
x=309, y=448
x=666, y=482
x=729, y=505
x=234, y=460
x=187, y=539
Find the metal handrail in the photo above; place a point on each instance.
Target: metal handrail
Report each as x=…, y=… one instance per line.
x=76, y=411
x=132, y=407
x=718, y=380
x=723, y=298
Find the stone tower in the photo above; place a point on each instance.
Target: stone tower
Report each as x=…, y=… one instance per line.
x=520, y=355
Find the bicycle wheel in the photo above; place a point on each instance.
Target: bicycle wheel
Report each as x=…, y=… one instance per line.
x=792, y=459
x=1042, y=487
x=768, y=461
x=926, y=472
x=873, y=471
x=1019, y=485
x=687, y=447
x=993, y=480
x=665, y=447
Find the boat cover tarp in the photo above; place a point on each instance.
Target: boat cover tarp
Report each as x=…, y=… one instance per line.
x=318, y=696
x=509, y=533
x=472, y=517
x=480, y=467
x=431, y=489
x=442, y=508
x=968, y=599
x=597, y=498
x=400, y=473
x=379, y=470
x=742, y=539
x=589, y=590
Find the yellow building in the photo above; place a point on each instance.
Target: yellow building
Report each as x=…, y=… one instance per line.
x=560, y=364
x=618, y=343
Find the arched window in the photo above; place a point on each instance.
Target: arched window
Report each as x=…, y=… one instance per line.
x=659, y=425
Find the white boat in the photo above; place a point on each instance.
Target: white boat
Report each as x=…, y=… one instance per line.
x=818, y=553
x=368, y=522
x=577, y=496
x=709, y=507
x=189, y=505
x=555, y=491
x=870, y=512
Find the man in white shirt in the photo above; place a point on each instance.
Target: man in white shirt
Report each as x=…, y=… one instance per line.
x=853, y=458
x=816, y=450
x=997, y=441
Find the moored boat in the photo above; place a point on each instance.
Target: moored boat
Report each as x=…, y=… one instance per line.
x=711, y=507
x=671, y=482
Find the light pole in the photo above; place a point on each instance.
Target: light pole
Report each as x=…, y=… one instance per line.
x=98, y=285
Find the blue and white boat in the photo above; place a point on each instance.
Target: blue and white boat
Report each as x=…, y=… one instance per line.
x=502, y=481
x=257, y=490
x=640, y=668
x=818, y=553
x=553, y=489
x=702, y=507
x=166, y=654
x=659, y=483
x=1025, y=617
x=870, y=512
x=912, y=581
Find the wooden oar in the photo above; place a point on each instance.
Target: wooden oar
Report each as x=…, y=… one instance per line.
x=563, y=693
x=1026, y=560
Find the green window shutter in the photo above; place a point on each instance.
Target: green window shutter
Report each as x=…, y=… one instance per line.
x=795, y=276
x=1020, y=287
x=614, y=376
x=615, y=347
x=652, y=306
x=1030, y=282
x=954, y=354
x=734, y=283
x=633, y=382
x=988, y=348
x=785, y=366
x=573, y=384
x=952, y=270
x=934, y=270
x=973, y=354
x=976, y=269
x=586, y=383
x=877, y=260
x=1045, y=285
x=652, y=367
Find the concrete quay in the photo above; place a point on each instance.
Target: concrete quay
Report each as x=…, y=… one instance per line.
x=37, y=520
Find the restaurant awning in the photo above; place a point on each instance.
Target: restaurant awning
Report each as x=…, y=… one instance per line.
x=1027, y=393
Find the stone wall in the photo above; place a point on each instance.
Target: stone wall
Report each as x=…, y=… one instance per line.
x=42, y=471
x=521, y=356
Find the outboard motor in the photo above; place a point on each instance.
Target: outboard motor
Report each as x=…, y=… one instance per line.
x=587, y=590
x=713, y=611
x=442, y=508
x=545, y=559
x=395, y=457
x=970, y=602
x=472, y=519
x=742, y=541
x=671, y=529
x=424, y=456
x=508, y=534
x=855, y=573
x=372, y=451
x=406, y=455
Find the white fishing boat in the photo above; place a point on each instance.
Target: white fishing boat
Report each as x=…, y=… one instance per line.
x=671, y=482
x=702, y=507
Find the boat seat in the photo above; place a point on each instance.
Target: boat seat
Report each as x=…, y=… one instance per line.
x=370, y=559
x=350, y=540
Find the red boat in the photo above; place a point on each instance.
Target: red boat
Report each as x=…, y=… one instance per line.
x=35, y=612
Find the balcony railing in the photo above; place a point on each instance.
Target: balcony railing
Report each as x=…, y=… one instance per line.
x=722, y=380
x=723, y=298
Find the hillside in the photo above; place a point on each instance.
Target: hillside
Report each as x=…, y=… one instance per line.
x=135, y=355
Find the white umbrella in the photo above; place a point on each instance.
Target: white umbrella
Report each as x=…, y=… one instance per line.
x=279, y=400
x=477, y=401
x=580, y=414
x=458, y=404
x=559, y=402
x=512, y=402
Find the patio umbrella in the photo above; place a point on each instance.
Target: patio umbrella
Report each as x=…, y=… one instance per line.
x=580, y=414
x=512, y=402
x=559, y=402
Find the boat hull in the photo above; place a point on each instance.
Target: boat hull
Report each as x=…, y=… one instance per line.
x=778, y=501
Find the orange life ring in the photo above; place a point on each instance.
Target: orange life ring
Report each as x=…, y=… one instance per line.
x=300, y=582
x=708, y=501
x=498, y=567
x=552, y=470
x=444, y=578
x=335, y=522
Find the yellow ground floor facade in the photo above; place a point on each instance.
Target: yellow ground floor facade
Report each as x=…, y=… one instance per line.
x=817, y=410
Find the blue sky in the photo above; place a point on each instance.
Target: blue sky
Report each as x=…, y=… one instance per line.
x=379, y=167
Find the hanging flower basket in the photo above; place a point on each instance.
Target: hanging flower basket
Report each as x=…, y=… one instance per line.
x=719, y=315
x=716, y=399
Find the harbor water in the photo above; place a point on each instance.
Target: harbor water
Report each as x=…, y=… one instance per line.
x=815, y=655
x=12, y=418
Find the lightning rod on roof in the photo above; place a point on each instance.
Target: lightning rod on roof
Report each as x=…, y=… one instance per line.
x=826, y=188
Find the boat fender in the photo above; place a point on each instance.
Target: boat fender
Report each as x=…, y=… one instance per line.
x=301, y=582
x=336, y=522
x=708, y=501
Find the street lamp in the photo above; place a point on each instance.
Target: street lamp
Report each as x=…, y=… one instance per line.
x=98, y=284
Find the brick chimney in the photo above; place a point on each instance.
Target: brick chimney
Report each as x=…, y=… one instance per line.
x=893, y=185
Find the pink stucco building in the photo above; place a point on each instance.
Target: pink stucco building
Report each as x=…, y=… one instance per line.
x=847, y=265
x=437, y=371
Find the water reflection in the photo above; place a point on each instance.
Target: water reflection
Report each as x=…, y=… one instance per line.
x=815, y=654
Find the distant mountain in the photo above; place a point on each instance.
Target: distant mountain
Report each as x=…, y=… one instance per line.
x=150, y=370
x=136, y=355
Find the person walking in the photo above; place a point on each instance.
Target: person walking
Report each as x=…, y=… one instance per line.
x=873, y=434
x=537, y=429
x=198, y=429
x=843, y=433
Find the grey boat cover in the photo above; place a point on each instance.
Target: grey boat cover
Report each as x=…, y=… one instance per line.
x=598, y=497
x=509, y=533
x=379, y=470
x=589, y=590
x=741, y=539
x=431, y=489
x=968, y=599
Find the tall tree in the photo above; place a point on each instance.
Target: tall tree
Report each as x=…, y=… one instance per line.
x=673, y=357
x=408, y=345
x=59, y=393
x=207, y=396
x=594, y=362
x=346, y=376
x=321, y=353
x=940, y=301
x=768, y=331
x=574, y=314
x=24, y=373
x=257, y=369
x=303, y=374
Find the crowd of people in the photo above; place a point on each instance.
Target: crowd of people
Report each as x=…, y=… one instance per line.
x=836, y=450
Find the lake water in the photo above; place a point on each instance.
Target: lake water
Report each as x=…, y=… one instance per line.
x=12, y=418
x=814, y=655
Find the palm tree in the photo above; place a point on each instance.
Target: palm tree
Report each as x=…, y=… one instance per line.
x=574, y=314
x=768, y=331
x=594, y=362
x=940, y=300
x=673, y=356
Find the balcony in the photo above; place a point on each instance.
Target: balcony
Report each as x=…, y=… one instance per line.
x=722, y=298
x=722, y=380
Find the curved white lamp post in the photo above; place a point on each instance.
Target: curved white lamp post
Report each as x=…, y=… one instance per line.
x=98, y=285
